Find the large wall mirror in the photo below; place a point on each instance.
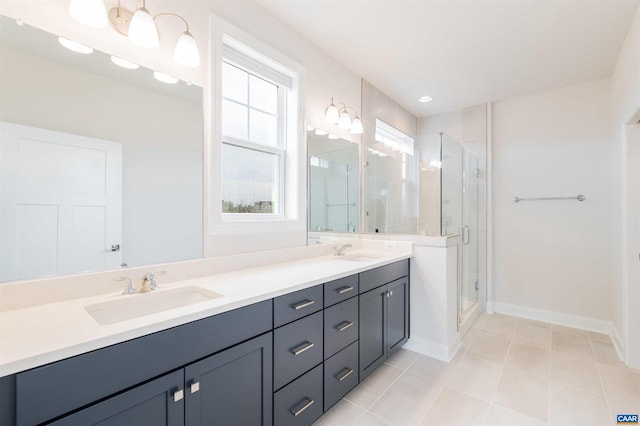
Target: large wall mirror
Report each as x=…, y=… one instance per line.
x=101, y=166
x=334, y=183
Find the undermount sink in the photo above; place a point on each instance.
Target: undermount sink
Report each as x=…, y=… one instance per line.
x=139, y=305
x=358, y=257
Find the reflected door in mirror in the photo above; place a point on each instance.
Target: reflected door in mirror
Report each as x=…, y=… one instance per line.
x=61, y=201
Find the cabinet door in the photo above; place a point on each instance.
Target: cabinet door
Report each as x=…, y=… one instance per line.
x=156, y=403
x=233, y=387
x=373, y=330
x=397, y=314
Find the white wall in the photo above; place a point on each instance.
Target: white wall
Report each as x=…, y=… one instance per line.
x=626, y=110
x=556, y=259
x=161, y=138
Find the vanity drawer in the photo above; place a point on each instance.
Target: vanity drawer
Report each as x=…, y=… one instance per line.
x=384, y=274
x=300, y=402
x=340, y=375
x=341, y=289
x=340, y=326
x=293, y=306
x=297, y=347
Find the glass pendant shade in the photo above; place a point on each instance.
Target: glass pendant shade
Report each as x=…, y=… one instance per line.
x=91, y=13
x=332, y=116
x=345, y=120
x=142, y=30
x=186, y=53
x=356, y=126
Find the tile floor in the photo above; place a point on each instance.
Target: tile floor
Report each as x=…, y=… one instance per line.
x=510, y=371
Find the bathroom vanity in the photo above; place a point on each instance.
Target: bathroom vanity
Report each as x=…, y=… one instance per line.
x=281, y=360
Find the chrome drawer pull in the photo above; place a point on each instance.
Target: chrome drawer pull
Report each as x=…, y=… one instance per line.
x=303, y=304
x=300, y=410
x=195, y=387
x=343, y=326
x=343, y=290
x=345, y=375
x=178, y=395
x=304, y=347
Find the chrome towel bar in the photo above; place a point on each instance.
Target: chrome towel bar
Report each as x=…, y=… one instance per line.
x=579, y=198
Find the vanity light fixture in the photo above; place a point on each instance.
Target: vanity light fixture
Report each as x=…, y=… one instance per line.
x=425, y=99
x=339, y=115
x=139, y=27
x=75, y=46
x=124, y=63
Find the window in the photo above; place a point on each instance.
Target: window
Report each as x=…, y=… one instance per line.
x=256, y=183
x=254, y=120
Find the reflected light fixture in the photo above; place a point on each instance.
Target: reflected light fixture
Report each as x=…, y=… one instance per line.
x=425, y=99
x=165, y=78
x=139, y=26
x=75, y=46
x=124, y=63
x=339, y=115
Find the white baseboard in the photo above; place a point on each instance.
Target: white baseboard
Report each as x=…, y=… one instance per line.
x=431, y=349
x=618, y=343
x=559, y=318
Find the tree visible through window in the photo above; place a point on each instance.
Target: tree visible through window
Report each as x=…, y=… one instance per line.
x=252, y=140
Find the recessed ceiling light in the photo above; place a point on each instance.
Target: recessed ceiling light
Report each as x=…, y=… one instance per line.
x=424, y=99
x=164, y=78
x=75, y=46
x=124, y=63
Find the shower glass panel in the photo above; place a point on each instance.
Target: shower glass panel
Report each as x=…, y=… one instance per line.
x=470, y=231
x=451, y=183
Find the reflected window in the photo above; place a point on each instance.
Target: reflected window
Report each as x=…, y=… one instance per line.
x=391, y=182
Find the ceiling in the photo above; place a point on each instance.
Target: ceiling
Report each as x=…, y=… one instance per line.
x=464, y=53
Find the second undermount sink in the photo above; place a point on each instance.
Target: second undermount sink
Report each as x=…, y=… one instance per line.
x=139, y=305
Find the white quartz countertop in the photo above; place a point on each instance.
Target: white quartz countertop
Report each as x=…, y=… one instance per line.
x=38, y=335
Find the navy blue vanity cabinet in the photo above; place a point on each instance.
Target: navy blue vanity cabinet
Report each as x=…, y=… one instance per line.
x=384, y=314
x=159, y=402
x=297, y=357
x=232, y=387
x=8, y=400
x=57, y=389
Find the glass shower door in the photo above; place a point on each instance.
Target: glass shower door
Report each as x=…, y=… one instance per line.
x=469, y=232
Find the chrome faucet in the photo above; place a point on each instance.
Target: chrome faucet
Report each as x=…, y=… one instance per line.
x=130, y=289
x=340, y=248
x=150, y=280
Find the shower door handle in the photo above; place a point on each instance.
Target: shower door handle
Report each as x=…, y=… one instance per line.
x=465, y=235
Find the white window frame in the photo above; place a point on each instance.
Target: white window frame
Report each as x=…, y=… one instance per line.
x=250, y=67
x=290, y=222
